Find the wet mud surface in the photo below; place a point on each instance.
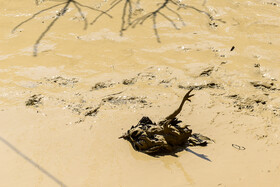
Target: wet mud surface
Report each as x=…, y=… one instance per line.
x=63, y=111
x=261, y=96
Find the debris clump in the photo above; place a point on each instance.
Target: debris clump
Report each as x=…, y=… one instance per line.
x=153, y=138
x=61, y=81
x=263, y=85
x=102, y=85
x=164, y=137
x=129, y=81
x=124, y=100
x=201, y=86
x=34, y=100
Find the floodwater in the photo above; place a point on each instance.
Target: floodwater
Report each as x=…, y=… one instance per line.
x=228, y=50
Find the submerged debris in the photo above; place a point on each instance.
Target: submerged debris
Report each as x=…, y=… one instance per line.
x=101, y=85
x=164, y=137
x=207, y=72
x=248, y=104
x=61, y=81
x=90, y=111
x=201, y=86
x=124, y=100
x=129, y=81
x=34, y=100
x=263, y=85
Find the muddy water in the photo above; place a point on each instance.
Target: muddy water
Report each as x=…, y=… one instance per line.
x=91, y=85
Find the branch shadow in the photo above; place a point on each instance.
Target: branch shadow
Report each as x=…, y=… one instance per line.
x=180, y=149
x=60, y=13
x=203, y=156
x=32, y=162
x=127, y=21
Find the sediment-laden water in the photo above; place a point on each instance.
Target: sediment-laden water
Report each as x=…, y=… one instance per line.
x=63, y=110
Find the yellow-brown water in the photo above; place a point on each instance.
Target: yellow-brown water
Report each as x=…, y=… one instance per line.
x=56, y=144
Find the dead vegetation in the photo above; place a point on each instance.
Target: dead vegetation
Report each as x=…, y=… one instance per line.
x=34, y=100
x=165, y=137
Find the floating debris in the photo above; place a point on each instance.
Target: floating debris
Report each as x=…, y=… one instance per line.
x=164, y=137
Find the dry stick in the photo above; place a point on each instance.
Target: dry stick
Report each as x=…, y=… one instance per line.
x=34, y=15
x=35, y=48
x=176, y=112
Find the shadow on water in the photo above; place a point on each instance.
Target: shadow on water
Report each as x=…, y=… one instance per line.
x=205, y=157
x=32, y=162
x=179, y=149
x=62, y=11
x=170, y=7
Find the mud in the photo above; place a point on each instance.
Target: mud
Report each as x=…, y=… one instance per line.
x=87, y=86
